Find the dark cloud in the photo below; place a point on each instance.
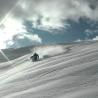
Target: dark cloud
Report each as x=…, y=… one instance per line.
x=6, y=6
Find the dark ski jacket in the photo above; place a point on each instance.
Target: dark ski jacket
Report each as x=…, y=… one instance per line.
x=35, y=57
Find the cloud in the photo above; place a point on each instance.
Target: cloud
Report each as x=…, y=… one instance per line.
x=10, y=43
x=53, y=14
x=21, y=40
x=78, y=40
x=6, y=6
x=96, y=38
x=12, y=28
x=8, y=29
x=91, y=33
x=32, y=37
x=2, y=41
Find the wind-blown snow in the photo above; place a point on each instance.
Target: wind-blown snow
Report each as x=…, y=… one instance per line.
x=71, y=74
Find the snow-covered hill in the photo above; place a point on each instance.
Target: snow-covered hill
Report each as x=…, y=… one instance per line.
x=69, y=71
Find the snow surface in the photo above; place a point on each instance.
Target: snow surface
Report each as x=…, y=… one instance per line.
x=70, y=71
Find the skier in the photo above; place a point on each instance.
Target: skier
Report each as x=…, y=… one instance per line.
x=35, y=57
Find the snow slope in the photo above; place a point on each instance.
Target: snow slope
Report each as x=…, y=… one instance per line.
x=71, y=71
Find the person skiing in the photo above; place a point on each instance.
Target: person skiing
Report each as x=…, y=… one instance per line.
x=35, y=57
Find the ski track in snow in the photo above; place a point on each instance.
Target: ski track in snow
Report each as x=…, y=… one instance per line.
x=73, y=74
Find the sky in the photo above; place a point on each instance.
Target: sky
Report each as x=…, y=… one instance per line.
x=31, y=22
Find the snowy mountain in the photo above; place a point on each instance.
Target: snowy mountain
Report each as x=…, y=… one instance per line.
x=63, y=71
